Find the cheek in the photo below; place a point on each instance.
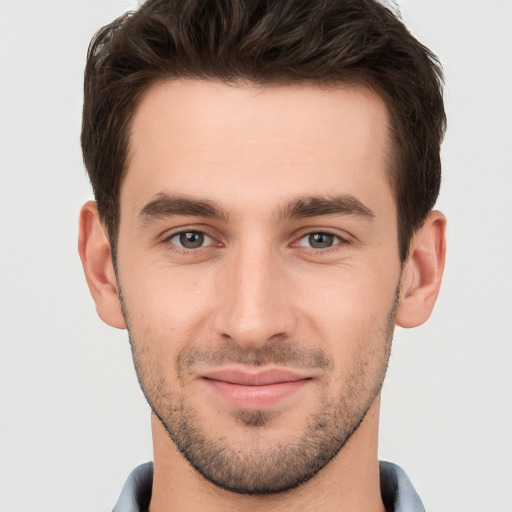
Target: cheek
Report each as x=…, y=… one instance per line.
x=348, y=311
x=166, y=307
x=351, y=295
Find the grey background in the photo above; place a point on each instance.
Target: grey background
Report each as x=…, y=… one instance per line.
x=73, y=422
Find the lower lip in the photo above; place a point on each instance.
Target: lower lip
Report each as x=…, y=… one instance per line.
x=255, y=397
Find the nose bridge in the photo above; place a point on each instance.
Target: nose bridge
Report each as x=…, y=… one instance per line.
x=254, y=307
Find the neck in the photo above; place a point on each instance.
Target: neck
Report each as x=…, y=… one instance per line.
x=350, y=482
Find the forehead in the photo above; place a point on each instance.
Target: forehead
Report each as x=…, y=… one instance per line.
x=230, y=142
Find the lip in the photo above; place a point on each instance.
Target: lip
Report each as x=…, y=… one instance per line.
x=254, y=390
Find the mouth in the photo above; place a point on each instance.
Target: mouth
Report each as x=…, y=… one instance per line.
x=254, y=390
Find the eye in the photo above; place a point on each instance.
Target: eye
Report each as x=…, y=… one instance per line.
x=191, y=239
x=319, y=240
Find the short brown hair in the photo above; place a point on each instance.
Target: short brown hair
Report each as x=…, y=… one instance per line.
x=267, y=42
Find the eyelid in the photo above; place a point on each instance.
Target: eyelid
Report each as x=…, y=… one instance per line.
x=343, y=238
x=168, y=235
x=186, y=228
x=306, y=236
x=343, y=241
x=304, y=232
x=178, y=235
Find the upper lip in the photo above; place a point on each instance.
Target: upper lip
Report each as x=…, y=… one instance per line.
x=260, y=378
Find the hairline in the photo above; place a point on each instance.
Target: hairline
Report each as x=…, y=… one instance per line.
x=391, y=153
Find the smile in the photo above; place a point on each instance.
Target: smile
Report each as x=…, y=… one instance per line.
x=254, y=390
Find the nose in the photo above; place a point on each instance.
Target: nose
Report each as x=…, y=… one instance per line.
x=254, y=307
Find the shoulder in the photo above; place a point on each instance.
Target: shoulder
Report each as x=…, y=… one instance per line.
x=136, y=493
x=398, y=493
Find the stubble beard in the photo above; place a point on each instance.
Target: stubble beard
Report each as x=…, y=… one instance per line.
x=264, y=467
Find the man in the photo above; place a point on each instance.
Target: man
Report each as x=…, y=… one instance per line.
x=264, y=175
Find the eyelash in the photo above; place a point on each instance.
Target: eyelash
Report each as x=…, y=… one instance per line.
x=338, y=241
x=188, y=250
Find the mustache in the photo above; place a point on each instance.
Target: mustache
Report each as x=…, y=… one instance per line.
x=279, y=354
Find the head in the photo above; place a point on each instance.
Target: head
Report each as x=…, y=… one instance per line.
x=355, y=42
x=264, y=175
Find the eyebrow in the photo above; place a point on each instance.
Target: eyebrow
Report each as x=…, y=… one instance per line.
x=345, y=204
x=165, y=205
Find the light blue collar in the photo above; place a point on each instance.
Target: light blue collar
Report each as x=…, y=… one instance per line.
x=397, y=492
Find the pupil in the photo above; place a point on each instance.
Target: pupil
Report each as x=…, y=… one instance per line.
x=191, y=240
x=321, y=240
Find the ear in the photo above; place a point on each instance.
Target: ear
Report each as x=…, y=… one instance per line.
x=423, y=271
x=94, y=250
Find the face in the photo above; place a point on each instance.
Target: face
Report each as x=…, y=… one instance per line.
x=258, y=266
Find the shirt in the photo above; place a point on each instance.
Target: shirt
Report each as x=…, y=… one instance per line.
x=397, y=492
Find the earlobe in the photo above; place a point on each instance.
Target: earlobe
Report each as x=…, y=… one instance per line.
x=423, y=272
x=94, y=250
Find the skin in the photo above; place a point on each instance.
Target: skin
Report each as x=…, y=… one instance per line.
x=258, y=293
